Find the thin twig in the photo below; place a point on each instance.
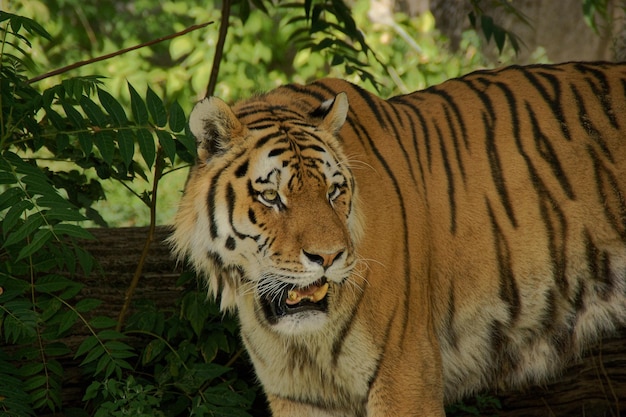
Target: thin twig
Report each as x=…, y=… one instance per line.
x=130, y=291
x=114, y=54
x=219, y=48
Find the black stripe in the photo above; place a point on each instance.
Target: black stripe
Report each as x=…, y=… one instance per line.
x=305, y=90
x=396, y=134
x=452, y=104
x=314, y=147
x=587, y=124
x=546, y=150
x=497, y=173
x=415, y=111
x=242, y=170
x=599, y=264
x=508, y=287
x=211, y=202
x=277, y=151
x=610, y=194
x=455, y=141
x=603, y=93
x=251, y=215
x=449, y=177
x=555, y=104
x=263, y=140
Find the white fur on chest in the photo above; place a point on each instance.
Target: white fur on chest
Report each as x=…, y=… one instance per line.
x=317, y=367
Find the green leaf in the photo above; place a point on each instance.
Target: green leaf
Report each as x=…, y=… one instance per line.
x=68, y=215
x=34, y=382
x=28, y=227
x=167, y=143
x=74, y=116
x=101, y=322
x=138, y=107
x=193, y=309
x=94, y=353
x=7, y=178
x=86, y=142
x=93, y=111
x=87, y=304
x=11, y=197
x=152, y=350
x=189, y=142
x=105, y=143
x=112, y=107
x=103, y=362
x=177, y=117
x=146, y=146
x=72, y=230
x=15, y=212
x=30, y=369
x=52, y=283
x=86, y=346
x=126, y=145
x=156, y=108
x=67, y=320
x=110, y=334
x=41, y=238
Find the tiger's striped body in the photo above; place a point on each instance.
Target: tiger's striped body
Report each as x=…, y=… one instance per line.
x=477, y=238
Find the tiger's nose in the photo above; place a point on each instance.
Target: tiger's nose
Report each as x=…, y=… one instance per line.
x=325, y=260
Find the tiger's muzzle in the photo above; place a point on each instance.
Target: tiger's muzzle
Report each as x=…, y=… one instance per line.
x=292, y=300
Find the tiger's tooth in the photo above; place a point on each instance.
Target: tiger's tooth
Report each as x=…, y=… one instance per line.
x=320, y=293
x=293, y=295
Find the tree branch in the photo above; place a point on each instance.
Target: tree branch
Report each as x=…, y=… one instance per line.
x=219, y=48
x=116, y=53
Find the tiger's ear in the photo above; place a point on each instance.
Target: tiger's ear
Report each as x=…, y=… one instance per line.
x=215, y=126
x=333, y=113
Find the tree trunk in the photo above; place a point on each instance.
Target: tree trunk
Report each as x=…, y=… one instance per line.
x=594, y=386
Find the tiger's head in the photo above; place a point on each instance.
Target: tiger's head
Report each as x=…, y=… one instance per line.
x=269, y=211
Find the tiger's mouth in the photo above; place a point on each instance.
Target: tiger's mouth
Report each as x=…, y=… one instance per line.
x=292, y=300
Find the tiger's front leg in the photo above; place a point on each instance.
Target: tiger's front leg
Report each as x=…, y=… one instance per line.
x=398, y=397
x=282, y=407
x=409, y=382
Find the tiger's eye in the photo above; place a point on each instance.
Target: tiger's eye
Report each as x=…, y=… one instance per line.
x=269, y=195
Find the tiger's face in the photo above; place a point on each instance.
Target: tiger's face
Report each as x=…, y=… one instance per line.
x=277, y=199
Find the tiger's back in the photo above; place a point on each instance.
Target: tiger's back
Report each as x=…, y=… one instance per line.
x=523, y=176
x=493, y=246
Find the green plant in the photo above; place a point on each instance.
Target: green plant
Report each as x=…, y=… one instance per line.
x=49, y=142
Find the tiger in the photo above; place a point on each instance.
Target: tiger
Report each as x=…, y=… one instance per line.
x=386, y=257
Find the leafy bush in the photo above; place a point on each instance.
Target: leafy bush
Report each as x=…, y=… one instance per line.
x=48, y=141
